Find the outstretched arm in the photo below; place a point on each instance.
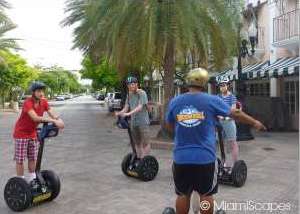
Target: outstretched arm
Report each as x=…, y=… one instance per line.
x=242, y=117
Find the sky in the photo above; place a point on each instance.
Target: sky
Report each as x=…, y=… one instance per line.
x=44, y=40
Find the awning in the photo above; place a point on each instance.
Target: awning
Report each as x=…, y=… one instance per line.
x=230, y=74
x=248, y=71
x=284, y=66
x=251, y=71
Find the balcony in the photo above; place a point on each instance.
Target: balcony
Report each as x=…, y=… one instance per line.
x=286, y=29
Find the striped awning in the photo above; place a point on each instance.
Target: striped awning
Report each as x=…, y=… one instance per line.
x=251, y=71
x=284, y=66
x=248, y=72
x=230, y=74
x=281, y=67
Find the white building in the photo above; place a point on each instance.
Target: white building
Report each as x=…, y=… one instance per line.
x=272, y=72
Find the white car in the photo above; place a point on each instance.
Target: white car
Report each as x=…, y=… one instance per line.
x=108, y=97
x=114, y=101
x=60, y=98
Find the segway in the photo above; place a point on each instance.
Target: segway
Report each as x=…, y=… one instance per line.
x=144, y=169
x=19, y=195
x=237, y=175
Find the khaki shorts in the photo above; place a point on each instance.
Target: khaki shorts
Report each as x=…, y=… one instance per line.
x=140, y=134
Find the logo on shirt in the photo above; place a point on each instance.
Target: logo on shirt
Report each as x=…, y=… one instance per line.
x=189, y=116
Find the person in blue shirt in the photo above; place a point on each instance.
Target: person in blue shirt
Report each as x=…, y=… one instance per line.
x=192, y=117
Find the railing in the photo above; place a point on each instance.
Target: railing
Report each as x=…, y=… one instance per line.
x=286, y=26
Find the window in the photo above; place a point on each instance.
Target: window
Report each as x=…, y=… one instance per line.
x=258, y=89
x=291, y=94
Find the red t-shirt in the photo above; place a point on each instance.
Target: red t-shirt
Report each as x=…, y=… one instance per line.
x=25, y=127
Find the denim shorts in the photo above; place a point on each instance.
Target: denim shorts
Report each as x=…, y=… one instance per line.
x=229, y=130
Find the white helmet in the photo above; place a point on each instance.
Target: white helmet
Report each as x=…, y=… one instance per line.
x=224, y=80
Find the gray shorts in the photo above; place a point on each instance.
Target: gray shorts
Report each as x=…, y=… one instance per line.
x=229, y=130
x=140, y=134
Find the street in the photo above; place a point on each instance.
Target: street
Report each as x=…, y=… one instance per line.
x=87, y=155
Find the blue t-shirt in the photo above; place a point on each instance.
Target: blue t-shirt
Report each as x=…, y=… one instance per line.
x=195, y=116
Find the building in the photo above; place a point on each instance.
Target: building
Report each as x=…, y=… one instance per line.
x=271, y=71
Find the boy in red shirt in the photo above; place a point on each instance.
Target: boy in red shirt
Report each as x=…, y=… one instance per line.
x=25, y=134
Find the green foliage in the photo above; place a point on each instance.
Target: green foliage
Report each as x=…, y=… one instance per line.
x=103, y=74
x=23, y=73
x=15, y=75
x=138, y=32
x=59, y=81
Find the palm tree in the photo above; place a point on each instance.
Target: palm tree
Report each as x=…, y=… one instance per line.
x=159, y=33
x=6, y=25
x=5, y=43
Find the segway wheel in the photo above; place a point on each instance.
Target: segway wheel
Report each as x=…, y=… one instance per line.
x=125, y=163
x=220, y=166
x=169, y=210
x=239, y=173
x=148, y=168
x=53, y=183
x=17, y=194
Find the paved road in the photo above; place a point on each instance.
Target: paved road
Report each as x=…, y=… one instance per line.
x=88, y=153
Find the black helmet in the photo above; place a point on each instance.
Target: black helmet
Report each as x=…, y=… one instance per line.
x=131, y=79
x=37, y=85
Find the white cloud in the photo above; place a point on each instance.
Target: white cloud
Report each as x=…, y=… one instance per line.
x=44, y=40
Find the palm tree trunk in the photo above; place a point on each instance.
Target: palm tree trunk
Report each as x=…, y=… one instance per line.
x=168, y=81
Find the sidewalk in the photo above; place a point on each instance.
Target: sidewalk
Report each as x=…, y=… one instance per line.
x=266, y=137
x=158, y=143
x=7, y=110
x=272, y=160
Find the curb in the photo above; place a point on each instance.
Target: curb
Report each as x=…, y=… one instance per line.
x=163, y=145
x=8, y=111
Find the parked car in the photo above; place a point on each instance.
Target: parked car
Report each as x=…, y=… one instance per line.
x=114, y=101
x=22, y=99
x=100, y=97
x=60, y=98
x=68, y=96
x=108, y=97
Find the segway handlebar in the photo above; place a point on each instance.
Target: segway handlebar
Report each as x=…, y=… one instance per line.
x=48, y=130
x=122, y=122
